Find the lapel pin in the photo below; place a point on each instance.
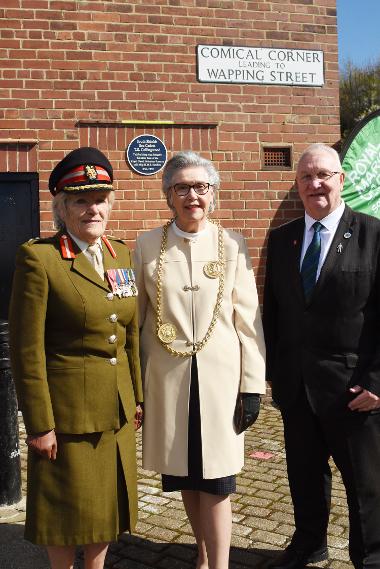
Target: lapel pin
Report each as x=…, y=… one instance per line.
x=347, y=235
x=340, y=247
x=295, y=242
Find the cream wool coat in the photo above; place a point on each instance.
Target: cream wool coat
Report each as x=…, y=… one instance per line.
x=232, y=360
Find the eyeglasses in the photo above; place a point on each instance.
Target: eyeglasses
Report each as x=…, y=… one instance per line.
x=322, y=176
x=200, y=188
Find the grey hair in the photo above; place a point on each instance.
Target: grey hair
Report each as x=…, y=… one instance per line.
x=188, y=159
x=319, y=147
x=59, y=204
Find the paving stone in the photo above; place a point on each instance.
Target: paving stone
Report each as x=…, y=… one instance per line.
x=141, y=554
x=153, y=499
x=145, y=489
x=255, y=501
x=282, y=517
x=270, y=495
x=268, y=537
x=338, y=542
x=241, y=530
x=286, y=529
x=240, y=541
x=258, y=512
x=129, y=564
x=160, y=533
x=339, y=554
x=170, y=563
x=260, y=523
x=185, y=552
x=151, y=508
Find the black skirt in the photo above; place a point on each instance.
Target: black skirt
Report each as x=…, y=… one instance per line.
x=194, y=480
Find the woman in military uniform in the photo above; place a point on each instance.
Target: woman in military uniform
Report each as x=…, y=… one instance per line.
x=201, y=344
x=75, y=359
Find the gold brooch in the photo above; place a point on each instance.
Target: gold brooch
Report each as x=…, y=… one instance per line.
x=167, y=333
x=213, y=269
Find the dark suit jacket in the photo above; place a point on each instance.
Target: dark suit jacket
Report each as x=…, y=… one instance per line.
x=333, y=342
x=74, y=347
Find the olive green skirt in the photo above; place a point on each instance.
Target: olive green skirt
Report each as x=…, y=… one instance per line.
x=88, y=494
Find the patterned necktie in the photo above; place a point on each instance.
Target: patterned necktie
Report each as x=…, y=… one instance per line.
x=310, y=261
x=97, y=259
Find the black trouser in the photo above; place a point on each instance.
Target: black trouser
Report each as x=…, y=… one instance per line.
x=353, y=441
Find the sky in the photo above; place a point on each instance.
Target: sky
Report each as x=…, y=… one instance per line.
x=358, y=31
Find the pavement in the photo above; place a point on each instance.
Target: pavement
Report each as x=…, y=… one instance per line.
x=262, y=516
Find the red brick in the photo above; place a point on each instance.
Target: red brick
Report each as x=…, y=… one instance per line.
x=116, y=60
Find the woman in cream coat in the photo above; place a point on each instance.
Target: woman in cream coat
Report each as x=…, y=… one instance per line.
x=201, y=343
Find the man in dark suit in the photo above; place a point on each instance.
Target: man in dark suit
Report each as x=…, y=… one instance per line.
x=322, y=331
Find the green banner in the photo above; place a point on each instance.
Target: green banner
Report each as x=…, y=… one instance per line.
x=361, y=163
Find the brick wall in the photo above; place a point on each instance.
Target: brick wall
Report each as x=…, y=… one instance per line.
x=72, y=71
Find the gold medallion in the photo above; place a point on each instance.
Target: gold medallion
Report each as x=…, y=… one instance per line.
x=213, y=269
x=167, y=333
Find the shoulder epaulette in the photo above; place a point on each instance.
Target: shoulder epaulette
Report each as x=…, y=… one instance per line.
x=37, y=240
x=117, y=239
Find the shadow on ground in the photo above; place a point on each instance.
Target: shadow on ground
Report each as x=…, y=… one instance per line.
x=17, y=553
x=129, y=552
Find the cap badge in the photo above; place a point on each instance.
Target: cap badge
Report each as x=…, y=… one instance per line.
x=91, y=172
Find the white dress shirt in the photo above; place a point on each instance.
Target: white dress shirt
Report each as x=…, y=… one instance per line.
x=330, y=224
x=83, y=246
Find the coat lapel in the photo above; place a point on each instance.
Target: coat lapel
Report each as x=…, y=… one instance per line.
x=293, y=262
x=81, y=265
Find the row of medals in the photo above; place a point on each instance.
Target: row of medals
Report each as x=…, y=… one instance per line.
x=122, y=282
x=167, y=332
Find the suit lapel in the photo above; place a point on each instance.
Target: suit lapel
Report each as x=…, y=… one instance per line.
x=339, y=248
x=293, y=262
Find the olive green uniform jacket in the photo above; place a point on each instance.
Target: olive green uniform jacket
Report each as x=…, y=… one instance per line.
x=74, y=346
x=74, y=349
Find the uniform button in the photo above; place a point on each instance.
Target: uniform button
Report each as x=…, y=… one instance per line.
x=113, y=361
x=112, y=339
x=113, y=317
x=110, y=296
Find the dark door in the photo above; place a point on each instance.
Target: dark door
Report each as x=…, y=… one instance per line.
x=19, y=221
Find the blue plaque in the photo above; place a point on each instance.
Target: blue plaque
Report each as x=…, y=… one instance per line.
x=146, y=154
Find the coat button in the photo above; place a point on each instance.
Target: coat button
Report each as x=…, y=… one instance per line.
x=113, y=317
x=110, y=296
x=112, y=339
x=113, y=361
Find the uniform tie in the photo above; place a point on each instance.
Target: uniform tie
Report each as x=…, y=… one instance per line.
x=97, y=258
x=310, y=261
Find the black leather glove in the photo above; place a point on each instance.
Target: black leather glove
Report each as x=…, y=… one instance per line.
x=246, y=411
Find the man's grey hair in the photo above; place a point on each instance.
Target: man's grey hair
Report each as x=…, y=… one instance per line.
x=60, y=202
x=188, y=159
x=319, y=147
